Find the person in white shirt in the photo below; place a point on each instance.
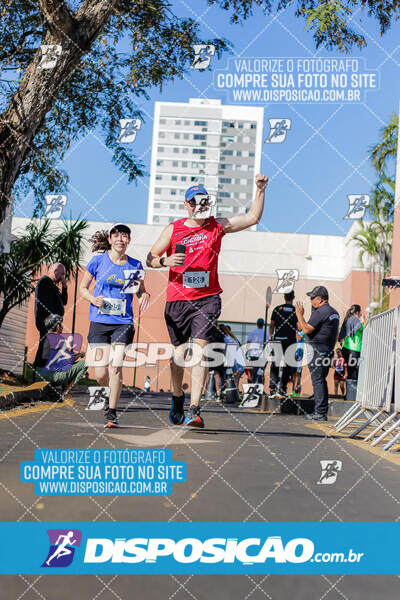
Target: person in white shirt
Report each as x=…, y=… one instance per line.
x=255, y=345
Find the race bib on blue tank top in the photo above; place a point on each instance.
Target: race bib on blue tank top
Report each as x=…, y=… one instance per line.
x=117, y=284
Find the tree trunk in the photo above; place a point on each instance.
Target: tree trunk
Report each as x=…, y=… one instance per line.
x=3, y=313
x=39, y=88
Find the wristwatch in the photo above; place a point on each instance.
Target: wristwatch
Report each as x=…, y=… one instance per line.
x=162, y=260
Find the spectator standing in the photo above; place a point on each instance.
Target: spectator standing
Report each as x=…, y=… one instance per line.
x=49, y=300
x=282, y=330
x=351, y=334
x=321, y=333
x=339, y=376
x=255, y=346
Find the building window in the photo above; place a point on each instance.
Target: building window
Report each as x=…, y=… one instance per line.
x=173, y=192
x=161, y=134
x=160, y=163
x=174, y=178
x=228, y=124
x=186, y=122
x=156, y=219
x=177, y=136
x=227, y=152
x=172, y=206
x=185, y=150
x=184, y=163
x=251, y=153
x=157, y=190
x=225, y=194
x=177, y=122
x=199, y=151
x=253, y=125
x=225, y=180
x=185, y=136
x=226, y=166
x=163, y=121
x=183, y=178
x=238, y=153
x=158, y=177
x=175, y=150
x=240, y=125
x=160, y=148
x=175, y=163
x=156, y=205
x=200, y=123
x=199, y=136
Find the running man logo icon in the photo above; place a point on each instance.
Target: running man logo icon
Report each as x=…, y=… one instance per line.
x=129, y=128
x=286, y=280
x=54, y=205
x=50, y=54
x=330, y=471
x=202, y=56
x=132, y=281
x=63, y=543
x=358, y=204
x=98, y=397
x=278, y=129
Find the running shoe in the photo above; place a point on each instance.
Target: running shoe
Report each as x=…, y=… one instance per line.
x=111, y=419
x=193, y=418
x=177, y=413
x=294, y=394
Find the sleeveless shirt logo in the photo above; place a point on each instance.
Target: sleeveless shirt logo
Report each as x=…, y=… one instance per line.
x=196, y=237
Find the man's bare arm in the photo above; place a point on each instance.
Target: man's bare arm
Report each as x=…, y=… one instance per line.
x=253, y=216
x=158, y=249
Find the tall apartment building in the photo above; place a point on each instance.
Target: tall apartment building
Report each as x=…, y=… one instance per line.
x=203, y=141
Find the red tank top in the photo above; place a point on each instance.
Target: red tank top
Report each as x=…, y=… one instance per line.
x=198, y=277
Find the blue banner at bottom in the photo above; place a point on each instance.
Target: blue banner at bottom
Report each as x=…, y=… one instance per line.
x=204, y=548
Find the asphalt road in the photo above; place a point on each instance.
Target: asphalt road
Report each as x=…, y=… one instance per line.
x=242, y=467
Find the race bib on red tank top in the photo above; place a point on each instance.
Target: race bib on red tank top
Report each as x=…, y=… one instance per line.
x=198, y=277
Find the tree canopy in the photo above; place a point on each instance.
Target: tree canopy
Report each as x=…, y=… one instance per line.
x=111, y=53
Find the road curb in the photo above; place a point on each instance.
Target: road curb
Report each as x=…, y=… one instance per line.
x=13, y=397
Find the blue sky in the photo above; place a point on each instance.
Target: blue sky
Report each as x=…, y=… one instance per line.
x=325, y=155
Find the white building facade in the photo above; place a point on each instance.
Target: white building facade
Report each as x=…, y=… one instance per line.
x=208, y=143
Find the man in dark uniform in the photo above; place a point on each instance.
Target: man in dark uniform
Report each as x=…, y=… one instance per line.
x=49, y=300
x=282, y=330
x=321, y=333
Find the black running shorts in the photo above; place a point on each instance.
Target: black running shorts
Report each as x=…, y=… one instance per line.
x=103, y=333
x=192, y=318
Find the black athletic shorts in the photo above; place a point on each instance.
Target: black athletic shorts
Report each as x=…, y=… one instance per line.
x=103, y=333
x=192, y=318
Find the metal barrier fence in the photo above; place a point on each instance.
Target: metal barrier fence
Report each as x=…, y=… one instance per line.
x=379, y=361
x=379, y=368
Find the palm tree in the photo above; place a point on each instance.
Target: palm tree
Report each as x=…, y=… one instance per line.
x=366, y=239
x=39, y=245
x=383, y=198
x=386, y=149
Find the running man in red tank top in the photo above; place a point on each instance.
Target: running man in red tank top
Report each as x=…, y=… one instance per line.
x=192, y=246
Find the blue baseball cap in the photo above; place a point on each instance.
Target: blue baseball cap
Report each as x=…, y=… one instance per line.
x=195, y=189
